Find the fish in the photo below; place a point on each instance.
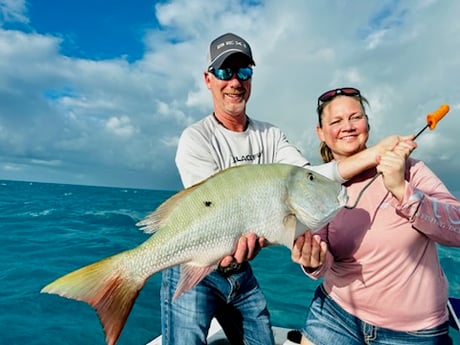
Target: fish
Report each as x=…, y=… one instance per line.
x=198, y=226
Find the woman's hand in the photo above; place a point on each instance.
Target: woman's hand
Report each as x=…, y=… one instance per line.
x=309, y=251
x=392, y=166
x=389, y=144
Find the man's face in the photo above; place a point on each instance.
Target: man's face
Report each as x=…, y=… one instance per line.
x=230, y=96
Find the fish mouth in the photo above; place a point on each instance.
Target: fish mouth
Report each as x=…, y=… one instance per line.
x=342, y=199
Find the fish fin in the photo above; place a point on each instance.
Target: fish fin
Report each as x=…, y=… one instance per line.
x=104, y=286
x=155, y=220
x=190, y=276
x=289, y=232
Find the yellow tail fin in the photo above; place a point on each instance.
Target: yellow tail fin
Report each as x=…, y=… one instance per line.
x=106, y=288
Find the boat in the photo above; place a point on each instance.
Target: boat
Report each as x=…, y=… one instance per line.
x=216, y=336
x=285, y=336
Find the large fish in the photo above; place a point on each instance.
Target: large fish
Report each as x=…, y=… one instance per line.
x=198, y=226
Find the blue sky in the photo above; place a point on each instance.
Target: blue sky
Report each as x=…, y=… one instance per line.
x=90, y=29
x=97, y=93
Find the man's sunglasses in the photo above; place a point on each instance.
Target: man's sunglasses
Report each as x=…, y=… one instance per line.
x=242, y=73
x=346, y=91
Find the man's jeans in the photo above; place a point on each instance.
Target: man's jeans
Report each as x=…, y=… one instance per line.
x=235, y=300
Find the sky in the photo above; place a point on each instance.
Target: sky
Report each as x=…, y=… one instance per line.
x=98, y=93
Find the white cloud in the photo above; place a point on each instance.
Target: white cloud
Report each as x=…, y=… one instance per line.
x=11, y=167
x=13, y=10
x=121, y=126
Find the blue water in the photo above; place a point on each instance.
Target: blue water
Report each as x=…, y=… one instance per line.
x=47, y=230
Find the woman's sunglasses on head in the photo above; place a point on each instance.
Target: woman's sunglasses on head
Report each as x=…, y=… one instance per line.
x=242, y=73
x=346, y=91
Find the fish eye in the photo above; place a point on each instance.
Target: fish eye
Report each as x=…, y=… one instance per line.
x=310, y=176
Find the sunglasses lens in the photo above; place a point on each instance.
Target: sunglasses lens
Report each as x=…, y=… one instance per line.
x=347, y=91
x=223, y=73
x=244, y=73
x=327, y=95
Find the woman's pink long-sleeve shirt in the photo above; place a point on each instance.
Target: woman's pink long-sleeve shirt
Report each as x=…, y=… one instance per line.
x=383, y=265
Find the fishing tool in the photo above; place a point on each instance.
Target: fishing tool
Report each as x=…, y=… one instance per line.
x=431, y=122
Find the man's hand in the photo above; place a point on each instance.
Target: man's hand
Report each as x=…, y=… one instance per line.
x=248, y=247
x=309, y=251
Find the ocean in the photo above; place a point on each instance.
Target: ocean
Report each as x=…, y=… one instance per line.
x=47, y=230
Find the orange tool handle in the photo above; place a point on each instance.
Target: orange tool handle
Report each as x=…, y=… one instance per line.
x=433, y=118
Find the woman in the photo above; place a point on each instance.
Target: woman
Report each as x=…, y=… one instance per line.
x=383, y=283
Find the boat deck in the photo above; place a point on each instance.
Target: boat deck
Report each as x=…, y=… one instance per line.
x=283, y=336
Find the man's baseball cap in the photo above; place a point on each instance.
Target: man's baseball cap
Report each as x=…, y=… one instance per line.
x=224, y=46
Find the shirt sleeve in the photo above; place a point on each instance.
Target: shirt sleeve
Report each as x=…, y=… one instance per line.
x=194, y=160
x=430, y=207
x=289, y=154
x=330, y=170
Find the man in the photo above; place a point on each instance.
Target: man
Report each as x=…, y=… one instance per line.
x=226, y=138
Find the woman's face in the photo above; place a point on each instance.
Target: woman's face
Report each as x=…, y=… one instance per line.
x=344, y=126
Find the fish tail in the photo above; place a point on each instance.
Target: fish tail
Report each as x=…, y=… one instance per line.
x=106, y=287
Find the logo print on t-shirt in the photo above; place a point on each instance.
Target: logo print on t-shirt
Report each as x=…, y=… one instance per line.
x=246, y=158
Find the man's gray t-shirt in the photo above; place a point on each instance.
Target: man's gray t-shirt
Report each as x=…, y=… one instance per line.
x=207, y=147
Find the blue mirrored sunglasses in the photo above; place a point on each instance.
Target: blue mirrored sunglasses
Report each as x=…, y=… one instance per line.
x=328, y=95
x=242, y=73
